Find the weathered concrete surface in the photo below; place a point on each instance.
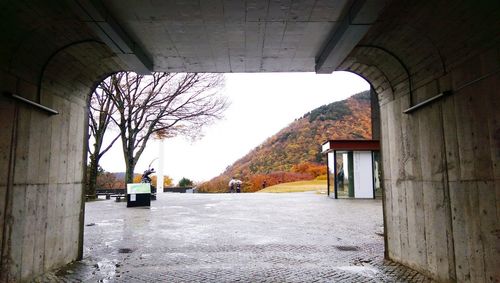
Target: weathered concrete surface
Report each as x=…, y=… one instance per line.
x=300, y=237
x=441, y=162
x=51, y=59
x=42, y=168
x=230, y=36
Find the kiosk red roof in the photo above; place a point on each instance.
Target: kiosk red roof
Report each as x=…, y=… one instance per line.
x=351, y=145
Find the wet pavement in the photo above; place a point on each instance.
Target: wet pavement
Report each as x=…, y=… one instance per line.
x=299, y=237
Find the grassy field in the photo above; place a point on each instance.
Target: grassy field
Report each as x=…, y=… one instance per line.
x=296, y=187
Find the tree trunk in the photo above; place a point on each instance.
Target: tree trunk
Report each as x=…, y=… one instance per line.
x=129, y=173
x=92, y=176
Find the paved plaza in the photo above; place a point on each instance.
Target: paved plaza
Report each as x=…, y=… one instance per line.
x=300, y=237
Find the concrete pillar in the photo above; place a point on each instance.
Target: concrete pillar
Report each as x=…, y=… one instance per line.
x=375, y=113
x=43, y=156
x=43, y=197
x=440, y=162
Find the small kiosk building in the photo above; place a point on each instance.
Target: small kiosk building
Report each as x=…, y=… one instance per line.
x=353, y=168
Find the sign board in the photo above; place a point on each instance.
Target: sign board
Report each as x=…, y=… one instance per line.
x=138, y=194
x=139, y=188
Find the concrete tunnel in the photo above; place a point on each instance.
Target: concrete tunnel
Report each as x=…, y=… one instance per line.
x=433, y=65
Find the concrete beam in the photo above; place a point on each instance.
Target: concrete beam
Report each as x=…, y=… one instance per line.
x=95, y=15
x=351, y=29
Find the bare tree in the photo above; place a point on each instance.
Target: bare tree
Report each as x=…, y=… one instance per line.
x=101, y=111
x=106, y=180
x=164, y=104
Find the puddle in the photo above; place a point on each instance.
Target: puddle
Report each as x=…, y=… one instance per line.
x=107, y=222
x=109, y=243
x=366, y=271
x=124, y=251
x=108, y=269
x=347, y=248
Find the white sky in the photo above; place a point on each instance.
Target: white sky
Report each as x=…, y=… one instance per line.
x=261, y=105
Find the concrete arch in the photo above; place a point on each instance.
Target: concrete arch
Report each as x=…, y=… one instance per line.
x=368, y=67
x=81, y=65
x=377, y=79
x=54, y=54
x=414, y=49
x=43, y=156
x=403, y=62
x=440, y=161
x=31, y=47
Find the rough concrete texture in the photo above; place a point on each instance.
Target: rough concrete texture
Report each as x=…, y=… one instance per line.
x=230, y=36
x=302, y=237
x=440, y=162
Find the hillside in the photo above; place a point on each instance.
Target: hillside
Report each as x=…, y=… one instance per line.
x=300, y=142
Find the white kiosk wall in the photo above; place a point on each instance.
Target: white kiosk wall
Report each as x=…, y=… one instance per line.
x=363, y=174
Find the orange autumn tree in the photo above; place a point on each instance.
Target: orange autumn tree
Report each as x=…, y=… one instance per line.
x=167, y=181
x=314, y=169
x=216, y=185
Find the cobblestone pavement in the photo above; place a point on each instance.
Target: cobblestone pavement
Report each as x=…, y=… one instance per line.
x=300, y=237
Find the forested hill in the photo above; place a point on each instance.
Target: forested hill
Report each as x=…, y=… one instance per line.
x=301, y=141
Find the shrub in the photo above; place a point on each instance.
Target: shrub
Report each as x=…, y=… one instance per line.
x=216, y=185
x=314, y=169
x=185, y=182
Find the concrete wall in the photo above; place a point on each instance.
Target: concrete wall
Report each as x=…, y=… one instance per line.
x=42, y=203
x=442, y=162
x=42, y=167
x=442, y=181
x=52, y=60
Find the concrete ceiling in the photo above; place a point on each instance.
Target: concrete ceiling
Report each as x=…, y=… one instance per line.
x=230, y=35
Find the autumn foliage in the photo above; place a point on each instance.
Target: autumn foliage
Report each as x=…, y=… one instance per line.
x=167, y=181
x=108, y=181
x=253, y=182
x=216, y=185
x=313, y=169
x=294, y=153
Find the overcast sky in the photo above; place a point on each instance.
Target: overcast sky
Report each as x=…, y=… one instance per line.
x=261, y=104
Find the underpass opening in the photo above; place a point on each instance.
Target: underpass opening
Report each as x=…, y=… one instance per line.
x=185, y=225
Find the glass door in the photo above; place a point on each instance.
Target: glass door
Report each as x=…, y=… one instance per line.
x=344, y=174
